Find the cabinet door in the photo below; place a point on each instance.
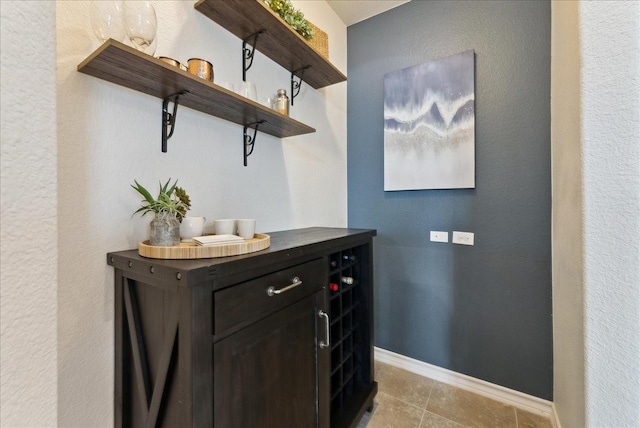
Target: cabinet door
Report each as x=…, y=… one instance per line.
x=273, y=373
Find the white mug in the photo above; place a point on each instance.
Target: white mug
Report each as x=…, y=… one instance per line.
x=225, y=226
x=191, y=227
x=246, y=227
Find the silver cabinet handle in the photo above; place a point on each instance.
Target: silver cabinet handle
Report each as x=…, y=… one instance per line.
x=271, y=291
x=323, y=314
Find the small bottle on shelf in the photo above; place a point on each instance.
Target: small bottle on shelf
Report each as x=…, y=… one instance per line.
x=282, y=102
x=333, y=263
x=333, y=286
x=347, y=280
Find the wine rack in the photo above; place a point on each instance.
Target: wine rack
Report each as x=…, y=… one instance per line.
x=350, y=313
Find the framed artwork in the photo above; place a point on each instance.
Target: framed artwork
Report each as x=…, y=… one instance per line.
x=429, y=125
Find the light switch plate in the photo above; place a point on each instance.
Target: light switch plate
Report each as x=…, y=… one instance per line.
x=464, y=238
x=438, y=236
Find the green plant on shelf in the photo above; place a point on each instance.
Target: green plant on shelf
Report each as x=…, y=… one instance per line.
x=292, y=16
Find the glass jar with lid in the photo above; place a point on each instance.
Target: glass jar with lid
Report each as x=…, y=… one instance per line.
x=282, y=102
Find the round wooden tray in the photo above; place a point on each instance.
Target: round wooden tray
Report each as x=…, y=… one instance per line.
x=190, y=250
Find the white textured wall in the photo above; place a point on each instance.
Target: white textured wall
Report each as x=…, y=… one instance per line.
x=29, y=214
x=108, y=135
x=596, y=213
x=610, y=103
x=567, y=216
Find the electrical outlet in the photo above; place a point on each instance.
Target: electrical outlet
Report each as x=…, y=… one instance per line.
x=464, y=238
x=437, y=236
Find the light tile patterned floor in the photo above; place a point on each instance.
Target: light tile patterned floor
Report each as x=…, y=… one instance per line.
x=409, y=400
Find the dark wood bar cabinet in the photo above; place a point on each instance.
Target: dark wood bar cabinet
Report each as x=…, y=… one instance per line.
x=278, y=338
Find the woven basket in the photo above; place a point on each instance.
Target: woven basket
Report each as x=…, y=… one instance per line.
x=320, y=41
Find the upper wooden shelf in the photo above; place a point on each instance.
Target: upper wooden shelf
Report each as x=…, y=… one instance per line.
x=124, y=65
x=279, y=41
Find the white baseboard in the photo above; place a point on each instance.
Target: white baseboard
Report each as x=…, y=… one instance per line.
x=555, y=421
x=490, y=390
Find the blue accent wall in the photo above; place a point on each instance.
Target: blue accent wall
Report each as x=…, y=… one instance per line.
x=482, y=310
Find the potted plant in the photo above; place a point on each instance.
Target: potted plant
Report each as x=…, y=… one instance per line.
x=169, y=208
x=292, y=16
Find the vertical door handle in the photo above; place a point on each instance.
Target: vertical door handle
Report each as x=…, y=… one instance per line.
x=323, y=314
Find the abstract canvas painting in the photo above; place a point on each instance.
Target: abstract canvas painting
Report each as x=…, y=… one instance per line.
x=429, y=125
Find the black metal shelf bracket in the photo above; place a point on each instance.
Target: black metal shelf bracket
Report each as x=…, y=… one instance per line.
x=247, y=53
x=250, y=140
x=295, y=86
x=169, y=119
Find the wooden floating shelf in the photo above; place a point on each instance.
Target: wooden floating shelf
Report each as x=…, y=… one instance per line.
x=124, y=65
x=279, y=41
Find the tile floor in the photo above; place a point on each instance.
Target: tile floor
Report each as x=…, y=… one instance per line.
x=409, y=400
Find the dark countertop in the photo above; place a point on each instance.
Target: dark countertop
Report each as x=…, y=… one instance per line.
x=287, y=247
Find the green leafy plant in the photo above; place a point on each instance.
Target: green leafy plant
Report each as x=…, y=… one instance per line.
x=171, y=199
x=292, y=16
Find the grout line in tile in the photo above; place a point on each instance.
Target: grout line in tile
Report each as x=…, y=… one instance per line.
x=422, y=419
x=433, y=384
x=446, y=419
x=406, y=402
x=409, y=404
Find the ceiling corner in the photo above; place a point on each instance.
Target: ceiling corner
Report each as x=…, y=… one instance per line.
x=354, y=11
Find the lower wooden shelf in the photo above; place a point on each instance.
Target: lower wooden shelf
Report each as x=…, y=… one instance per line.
x=124, y=65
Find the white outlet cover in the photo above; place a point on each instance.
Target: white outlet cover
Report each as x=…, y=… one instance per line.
x=438, y=236
x=463, y=238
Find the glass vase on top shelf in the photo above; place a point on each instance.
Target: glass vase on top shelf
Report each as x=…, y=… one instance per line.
x=107, y=20
x=141, y=25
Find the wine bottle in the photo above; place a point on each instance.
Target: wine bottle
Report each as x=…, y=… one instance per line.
x=349, y=258
x=347, y=280
x=333, y=286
